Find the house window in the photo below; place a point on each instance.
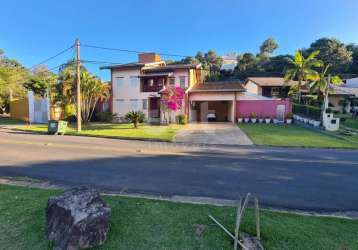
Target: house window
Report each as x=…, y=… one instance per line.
x=275, y=91
x=151, y=82
x=120, y=107
x=172, y=81
x=134, y=105
x=182, y=81
x=144, y=104
x=119, y=82
x=134, y=81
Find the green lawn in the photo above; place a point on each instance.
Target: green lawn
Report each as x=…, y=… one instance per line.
x=165, y=133
x=150, y=224
x=292, y=135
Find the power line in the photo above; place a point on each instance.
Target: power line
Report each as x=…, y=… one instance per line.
x=131, y=51
x=52, y=57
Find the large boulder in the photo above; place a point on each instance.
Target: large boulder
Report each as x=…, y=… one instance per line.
x=77, y=219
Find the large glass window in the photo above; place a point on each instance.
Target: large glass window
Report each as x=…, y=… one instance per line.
x=182, y=81
x=120, y=107
x=134, y=105
x=134, y=81
x=119, y=82
x=144, y=104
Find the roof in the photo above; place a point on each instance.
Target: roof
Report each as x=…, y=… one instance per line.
x=338, y=90
x=156, y=74
x=270, y=81
x=218, y=86
x=172, y=67
x=124, y=65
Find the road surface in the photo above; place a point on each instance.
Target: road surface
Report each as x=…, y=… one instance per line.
x=293, y=178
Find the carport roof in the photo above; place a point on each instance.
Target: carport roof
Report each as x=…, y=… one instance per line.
x=218, y=87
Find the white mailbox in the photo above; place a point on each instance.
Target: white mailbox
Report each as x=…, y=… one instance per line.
x=330, y=123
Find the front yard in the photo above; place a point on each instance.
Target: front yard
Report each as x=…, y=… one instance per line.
x=115, y=130
x=292, y=136
x=152, y=224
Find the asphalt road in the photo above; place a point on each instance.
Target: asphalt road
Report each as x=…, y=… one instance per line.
x=311, y=179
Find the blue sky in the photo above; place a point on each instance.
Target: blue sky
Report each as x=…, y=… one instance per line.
x=31, y=31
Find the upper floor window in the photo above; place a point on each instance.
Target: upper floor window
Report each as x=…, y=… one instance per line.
x=172, y=81
x=119, y=82
x=134, y=81
x=275, y=91
x=182, y=81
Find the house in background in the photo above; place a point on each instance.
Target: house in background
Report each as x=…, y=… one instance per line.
x=138, y=86
x=273, y=87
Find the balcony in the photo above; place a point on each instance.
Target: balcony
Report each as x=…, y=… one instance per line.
x=152, y=84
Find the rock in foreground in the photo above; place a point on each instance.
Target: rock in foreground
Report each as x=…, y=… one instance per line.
x=77, y=219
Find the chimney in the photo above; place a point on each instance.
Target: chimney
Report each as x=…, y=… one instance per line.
x=148, y=57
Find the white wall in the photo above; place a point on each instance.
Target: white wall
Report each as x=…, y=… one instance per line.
x=253, y=88
x=128, y=92
x=352, y=83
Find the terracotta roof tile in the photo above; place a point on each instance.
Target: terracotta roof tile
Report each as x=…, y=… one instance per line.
x=218, y=86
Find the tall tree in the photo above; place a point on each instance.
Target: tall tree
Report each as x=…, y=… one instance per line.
x=12, y=77
x=302, y=69
x=323, y=84
x=93, y=90
x=211, y=63
x=268, y=47
x=353, y=69
x=42, y=81
x=332, y=52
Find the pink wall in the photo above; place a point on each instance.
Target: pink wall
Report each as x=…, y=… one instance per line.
x=263, y=108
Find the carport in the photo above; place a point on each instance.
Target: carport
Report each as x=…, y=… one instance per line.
x=213, y=100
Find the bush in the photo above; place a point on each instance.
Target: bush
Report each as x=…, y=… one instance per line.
x=182, y=119
x=307, y=111
x=135, y=117
x=71, y=119
x=106, y=116
x=253, y=115
x=329, y=110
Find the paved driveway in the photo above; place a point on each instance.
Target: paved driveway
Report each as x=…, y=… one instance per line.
x=213, y=133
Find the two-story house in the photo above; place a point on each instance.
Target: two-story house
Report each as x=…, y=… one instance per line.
x=137, y=86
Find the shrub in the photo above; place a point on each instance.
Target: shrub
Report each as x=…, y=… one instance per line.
x=71, y=119
x=106, y=116
x=253, y=115
x=307, y=111
x=289, y=115
x=329, y=110
x=135, y=117
x=182, y=119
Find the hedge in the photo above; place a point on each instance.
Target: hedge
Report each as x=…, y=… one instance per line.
x=307, y=111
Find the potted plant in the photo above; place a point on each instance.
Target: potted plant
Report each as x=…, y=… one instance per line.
x=253, y=117
x=261, y=119
x=246, y=119
x=267, y=119
x=289, y=118
x=240, y=119
x=305, y=120
x=275, y=120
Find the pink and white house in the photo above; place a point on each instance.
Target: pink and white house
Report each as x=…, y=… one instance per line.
x=138, y=86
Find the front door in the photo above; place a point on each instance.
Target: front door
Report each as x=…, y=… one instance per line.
x=280, y=113
x=154, y=110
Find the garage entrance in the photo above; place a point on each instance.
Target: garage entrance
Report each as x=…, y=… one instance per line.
x=212, y=111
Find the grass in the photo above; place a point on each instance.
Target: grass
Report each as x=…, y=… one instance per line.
x=113, y=130
x=293, y=136
x=150, y=224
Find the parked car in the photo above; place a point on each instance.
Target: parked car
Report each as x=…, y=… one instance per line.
x=211, y=117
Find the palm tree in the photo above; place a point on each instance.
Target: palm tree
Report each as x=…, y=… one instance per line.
x=301, y=69
x=324, y=84
x=135, y=117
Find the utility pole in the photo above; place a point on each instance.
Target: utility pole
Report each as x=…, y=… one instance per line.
x=78, y=80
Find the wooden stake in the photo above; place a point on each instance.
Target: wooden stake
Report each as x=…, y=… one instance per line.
x=227, y=231
x=257, y=214
x=238, y=212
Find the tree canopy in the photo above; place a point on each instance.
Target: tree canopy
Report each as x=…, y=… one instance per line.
x=268, y=47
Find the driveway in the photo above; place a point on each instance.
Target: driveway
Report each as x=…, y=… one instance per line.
x=296, y=178
x=219, y=133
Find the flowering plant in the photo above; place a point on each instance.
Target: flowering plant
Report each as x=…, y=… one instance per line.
x=172, y=99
